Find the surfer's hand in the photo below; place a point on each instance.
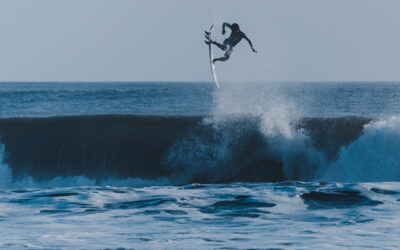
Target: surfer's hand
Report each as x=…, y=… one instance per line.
x=255, y=51
x=223, y=32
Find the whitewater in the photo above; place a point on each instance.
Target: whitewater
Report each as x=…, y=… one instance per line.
x=185, y=165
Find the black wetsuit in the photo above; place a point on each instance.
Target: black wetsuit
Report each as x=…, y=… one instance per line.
x=236, y=36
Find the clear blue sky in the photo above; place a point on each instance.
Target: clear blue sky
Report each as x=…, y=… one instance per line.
x=148, y=40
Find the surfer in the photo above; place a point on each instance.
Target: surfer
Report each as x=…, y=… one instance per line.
x=235, y=37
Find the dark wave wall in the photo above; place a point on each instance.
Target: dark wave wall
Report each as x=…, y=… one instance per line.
x=184, y=149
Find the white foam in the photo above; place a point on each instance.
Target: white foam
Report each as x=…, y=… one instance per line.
x=372, y=157
x=278, y=114
x=292, y=146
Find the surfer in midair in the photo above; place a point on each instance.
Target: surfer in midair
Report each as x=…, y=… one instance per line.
x=236, y=36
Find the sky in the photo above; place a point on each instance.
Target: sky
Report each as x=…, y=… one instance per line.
x=162, y=40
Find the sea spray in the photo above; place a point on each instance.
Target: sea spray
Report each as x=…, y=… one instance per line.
x=290, y=145
x=275, y=117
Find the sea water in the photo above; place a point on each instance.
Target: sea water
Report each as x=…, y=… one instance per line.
x=186, y=165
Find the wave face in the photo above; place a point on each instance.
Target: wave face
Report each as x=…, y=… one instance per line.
x=95, y=146
x=181, y=150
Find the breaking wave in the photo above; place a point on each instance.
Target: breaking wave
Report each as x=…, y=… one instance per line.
x=372, y=157
x=157, y=150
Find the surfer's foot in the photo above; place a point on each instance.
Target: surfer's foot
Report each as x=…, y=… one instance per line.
x=214, y=61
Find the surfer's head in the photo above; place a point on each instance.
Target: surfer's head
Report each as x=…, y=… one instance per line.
x=235, y=26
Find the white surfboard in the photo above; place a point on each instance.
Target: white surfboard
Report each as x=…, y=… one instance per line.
x=210, y=49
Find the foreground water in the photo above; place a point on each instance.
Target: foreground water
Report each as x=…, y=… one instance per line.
x=239, y=215
x=183, y=165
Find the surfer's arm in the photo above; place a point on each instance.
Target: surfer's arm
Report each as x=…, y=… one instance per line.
x=223, y=27
x=251, y=45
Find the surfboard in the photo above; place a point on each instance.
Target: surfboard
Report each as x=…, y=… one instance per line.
x=209, y=36
x=210, y=49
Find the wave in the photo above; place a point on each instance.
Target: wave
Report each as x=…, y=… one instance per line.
x=372, y=157
x=148, y=150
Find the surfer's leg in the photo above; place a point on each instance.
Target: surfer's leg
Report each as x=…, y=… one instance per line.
x=221, y=46
x=224, y=58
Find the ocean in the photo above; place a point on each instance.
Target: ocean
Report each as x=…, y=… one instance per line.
x=188, y=166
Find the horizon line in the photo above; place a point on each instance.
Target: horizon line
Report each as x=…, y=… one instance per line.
x=211, y=82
